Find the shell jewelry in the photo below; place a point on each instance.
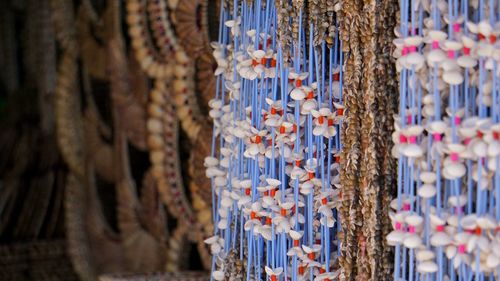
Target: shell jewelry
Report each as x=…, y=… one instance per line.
x=274, y=166
x=447, y=142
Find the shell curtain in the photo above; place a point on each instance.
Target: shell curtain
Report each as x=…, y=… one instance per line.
x=279, y=140
x=356, y=140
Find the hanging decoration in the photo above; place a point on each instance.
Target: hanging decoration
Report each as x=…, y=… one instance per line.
x=173, y=105
x=447, y=215
x=276, y=144
x=366, y=174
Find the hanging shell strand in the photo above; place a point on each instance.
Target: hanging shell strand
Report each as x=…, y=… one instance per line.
x=274, y=165
x=446, y=216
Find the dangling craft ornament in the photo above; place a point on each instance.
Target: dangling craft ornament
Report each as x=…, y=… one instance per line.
x=446, y=216
x=274, y=166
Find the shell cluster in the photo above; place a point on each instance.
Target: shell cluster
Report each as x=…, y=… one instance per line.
x=274, y=166
x=446, y=218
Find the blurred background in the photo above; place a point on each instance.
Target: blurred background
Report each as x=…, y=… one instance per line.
x=104, y=127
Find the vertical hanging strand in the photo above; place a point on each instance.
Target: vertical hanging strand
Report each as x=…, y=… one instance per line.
x=349, y=34
x=369, y=186
x=386, y=102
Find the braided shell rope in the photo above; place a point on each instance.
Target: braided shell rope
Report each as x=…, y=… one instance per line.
x=446, y=216
x=274, y=166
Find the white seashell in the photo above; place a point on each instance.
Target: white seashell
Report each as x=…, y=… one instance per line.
x=457, y=201
x=211, y=161
x=328, y=221
x=427, y=267
x=251, y=33
x=425, y=255
x=268, y=201
x=413, y=40
x=414, y=220
x=452, y=221
x=295, y=234
x=485, y=28
x=308, y=106
x=287, y=205
x=245, y=183
x=453, y=77
x=266, y=233
x=215, y=113
x=466, y=62
x=428, y=177
x=472, y=27
x=332, y=131
x=258, y=54
x=215, y=103
x=486, y=100
x=414, y=130
x=436, y=220
x=325, y=111
x=222, y=224
x=307, y=249
x=325, y=211
x=292, y=75
x=393, y=204
x=412, y=150
x=428, y=22
x=495, y=247
x=303, y=75
x=251, y=75
x=212, y=172
x=486, y=222
x=428, y=110
x=415, y=59
x=437, y=35
x=218, y=275
x=485, y=50
x=278, y=271
x=211, y=240
x=484, y=244
x=427, y=191
x=395, y=237
x=220, y=181
x=471, y=122
x=469, y=222
x=319, y=130
x=428, y=99
x=455, y=170
x=294, y=251
x=452, y=45
x=451, y=251
x=493, y=149
x=471, y=243
x=449, y=65
x=440, y=239
x=412, y=241
x=259, y=69
x=492, y=164
x=492, y=261
x=435, y=56
x=273, y=182
x=230, y=23
x=468, y=42
x=480, y=148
